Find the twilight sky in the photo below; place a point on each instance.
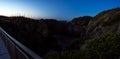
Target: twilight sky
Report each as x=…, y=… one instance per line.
x=57, y=9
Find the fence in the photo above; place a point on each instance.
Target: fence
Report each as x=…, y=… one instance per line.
x=16, y=49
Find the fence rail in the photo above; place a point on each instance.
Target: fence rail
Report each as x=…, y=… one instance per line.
x=16, y=49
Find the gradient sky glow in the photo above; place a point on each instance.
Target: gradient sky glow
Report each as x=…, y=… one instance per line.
x=57, y=9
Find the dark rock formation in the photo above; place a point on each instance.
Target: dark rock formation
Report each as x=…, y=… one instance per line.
x=78, y=25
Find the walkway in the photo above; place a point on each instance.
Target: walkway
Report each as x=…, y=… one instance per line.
x=3, y=51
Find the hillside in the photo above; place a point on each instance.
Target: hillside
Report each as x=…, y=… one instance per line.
x=100, y=40
x=44, y=35
x=105, y=22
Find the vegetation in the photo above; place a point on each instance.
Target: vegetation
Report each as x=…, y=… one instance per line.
x=68, y=54
x=102, y=47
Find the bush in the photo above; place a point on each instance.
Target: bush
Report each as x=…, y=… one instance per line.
x=102, y=47
x=69, y=54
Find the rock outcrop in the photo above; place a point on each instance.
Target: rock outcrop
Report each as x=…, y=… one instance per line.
x=105, y=22
x=78, y=25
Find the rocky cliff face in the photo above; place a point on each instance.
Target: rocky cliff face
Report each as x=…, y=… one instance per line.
x=105, y=22
x=78, y=25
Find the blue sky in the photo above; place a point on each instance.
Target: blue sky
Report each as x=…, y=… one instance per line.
x=57, y=9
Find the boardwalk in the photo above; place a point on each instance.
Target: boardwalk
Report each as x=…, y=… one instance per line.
x=3, y=51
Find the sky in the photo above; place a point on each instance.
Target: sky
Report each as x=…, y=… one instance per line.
x=55, y=9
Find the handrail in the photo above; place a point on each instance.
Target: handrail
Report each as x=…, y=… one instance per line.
x=25, y=51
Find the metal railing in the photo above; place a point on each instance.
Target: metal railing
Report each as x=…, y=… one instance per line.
x=16, y=49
